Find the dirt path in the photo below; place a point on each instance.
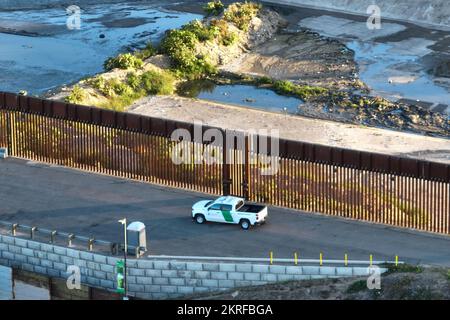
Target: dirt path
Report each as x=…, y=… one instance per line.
x=296, y=127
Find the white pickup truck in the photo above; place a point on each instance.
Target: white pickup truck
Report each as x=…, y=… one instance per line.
x=231, y=210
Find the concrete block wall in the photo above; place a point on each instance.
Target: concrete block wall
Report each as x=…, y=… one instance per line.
x=156, y=278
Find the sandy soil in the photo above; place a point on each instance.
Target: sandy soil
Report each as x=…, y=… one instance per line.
x=296, y=127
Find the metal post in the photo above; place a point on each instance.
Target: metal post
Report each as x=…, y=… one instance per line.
x=125, y=252
x=70, y=238
x=52, y=236
x=33, y=230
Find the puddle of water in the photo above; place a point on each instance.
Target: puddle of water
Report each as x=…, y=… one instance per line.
x=242, y=95
x=394, y=74
x=61, y=56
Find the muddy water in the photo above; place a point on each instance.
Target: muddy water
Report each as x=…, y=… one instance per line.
x=396, y=75
x=38, y=52
x=394, y=61
x=241, y=95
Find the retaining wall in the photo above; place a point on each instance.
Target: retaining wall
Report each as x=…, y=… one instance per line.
x=156, y=279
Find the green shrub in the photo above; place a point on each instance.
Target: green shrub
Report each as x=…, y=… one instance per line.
x=110, y=88
x=213, y=8
x=241, y=14
x=226, y=36
x=202, y=32
x=153, y=82
x=77, y=95
x=179, y=45
x=123, y=61
x=134, y=81
x=147, y=52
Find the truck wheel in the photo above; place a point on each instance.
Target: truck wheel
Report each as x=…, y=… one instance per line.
x=245, y=224
x=199, y=218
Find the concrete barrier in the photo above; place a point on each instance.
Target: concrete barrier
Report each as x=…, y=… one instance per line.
x=435, y=12
x=157, y=278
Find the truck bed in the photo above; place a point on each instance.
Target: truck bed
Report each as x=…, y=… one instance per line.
x=251, y=208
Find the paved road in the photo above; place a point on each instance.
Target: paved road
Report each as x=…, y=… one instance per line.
x=88, y=204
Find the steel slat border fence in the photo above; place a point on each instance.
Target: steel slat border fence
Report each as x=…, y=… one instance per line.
x=340, y=182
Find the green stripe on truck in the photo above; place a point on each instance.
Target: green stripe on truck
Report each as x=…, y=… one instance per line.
x=227, y=215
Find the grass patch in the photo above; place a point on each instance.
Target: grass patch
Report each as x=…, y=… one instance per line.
x=303, y=92
x=123, y=61
x=77, y=95
x=357, y=286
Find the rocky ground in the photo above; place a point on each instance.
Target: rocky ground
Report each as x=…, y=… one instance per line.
x=428, y=283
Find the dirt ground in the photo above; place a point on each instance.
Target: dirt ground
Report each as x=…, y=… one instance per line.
x=296, y=127
x=427, y=284
x=302, y=57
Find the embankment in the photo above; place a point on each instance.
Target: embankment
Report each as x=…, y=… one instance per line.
x=435, y=12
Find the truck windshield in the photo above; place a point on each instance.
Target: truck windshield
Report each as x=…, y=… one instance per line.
x=239, y=205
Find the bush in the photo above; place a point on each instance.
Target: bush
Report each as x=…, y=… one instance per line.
x=147, y=52
x=202, y=32
x=134, y=81
x=123, y=61
x=241, y=14
x=226, y=36
x=214, y=8
x=111, y=87
x=77, y=95
x=180, y=46
x=153, y=82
